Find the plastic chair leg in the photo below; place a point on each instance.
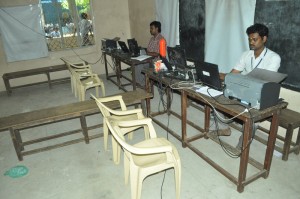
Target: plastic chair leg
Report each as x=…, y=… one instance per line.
x=97, y=91
x=105, y=134
x=177, y=174
x=116, y=150
x=134, y=181
x=103, y=89
x=126, y=169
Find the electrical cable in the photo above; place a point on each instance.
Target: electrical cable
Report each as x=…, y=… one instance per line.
x=167, y=106
x=230, y=120
x=161, y=187
x=185, y=84
x=162, y=90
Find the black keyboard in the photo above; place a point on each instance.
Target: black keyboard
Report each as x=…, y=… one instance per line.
x=180, y=75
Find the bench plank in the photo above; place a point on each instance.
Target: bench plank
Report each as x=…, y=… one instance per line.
x=36, y=71
x=68, y=111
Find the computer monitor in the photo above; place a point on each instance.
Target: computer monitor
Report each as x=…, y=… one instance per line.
x=177, y=57
x=208, y=74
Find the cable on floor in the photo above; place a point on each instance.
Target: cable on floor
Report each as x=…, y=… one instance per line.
x=163, y=90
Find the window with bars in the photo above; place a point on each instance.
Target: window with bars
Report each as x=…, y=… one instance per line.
x=67, y=23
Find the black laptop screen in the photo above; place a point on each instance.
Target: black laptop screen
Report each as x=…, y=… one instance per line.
x=123, y=46
x=208, y=74
x=177, y=57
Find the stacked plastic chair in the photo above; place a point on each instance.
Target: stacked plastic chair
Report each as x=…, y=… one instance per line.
x=83, y=78
x=121, y=115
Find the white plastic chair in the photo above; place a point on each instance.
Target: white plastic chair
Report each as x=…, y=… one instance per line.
x=87, y=81
x=83, y=78
x=78, y=67
x=121, y=115
x=146, y=157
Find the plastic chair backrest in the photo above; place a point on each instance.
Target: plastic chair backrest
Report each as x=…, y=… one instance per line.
x=114, y=127
x=104, y=109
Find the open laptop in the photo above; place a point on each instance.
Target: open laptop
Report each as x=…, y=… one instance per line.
x=110, y=44
x=133, y=47
x=123, y=46
x=208, y=74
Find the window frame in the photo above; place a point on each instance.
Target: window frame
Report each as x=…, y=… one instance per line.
x=72, y=39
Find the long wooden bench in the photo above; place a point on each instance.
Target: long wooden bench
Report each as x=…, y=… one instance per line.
x=15, y=123
x=37, y=71
x=289, y=120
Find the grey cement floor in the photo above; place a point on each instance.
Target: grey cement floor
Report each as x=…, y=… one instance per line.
x=87, y=171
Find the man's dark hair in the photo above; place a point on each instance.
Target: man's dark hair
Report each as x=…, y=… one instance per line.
x=156, y=24
x=261, y=29
x=83, y=15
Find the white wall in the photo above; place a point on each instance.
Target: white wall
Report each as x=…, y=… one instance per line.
x=141, y=14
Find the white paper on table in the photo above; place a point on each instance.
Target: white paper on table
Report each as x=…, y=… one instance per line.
x=141, y=57
x=209, y=91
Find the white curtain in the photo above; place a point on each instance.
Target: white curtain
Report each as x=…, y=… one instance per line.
x=22, y=33
x=226, y=22
x=167, y=12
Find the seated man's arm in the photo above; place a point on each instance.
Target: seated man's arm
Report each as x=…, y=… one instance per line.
x=235, y=71
x=154, y=54
x=222, y=75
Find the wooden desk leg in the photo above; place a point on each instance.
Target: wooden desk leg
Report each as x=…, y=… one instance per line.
x=7, y=85
x=149, y=90
x=118, y=73
x=148, y=107
x=105, y=64
x=133, y=77
x=133, y=80
x=84, y=128
x=298, y=142
x=143, y=107
x=244, y=155
x=183, y=117
x=287, y=143
x=271, y=143
x=207, y=111
x=168, y=100
x=16, y=143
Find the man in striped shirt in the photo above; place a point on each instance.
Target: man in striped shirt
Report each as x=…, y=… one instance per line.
x=153, y=46
x=152, y=50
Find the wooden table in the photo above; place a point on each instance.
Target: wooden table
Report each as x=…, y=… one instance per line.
x=118, y=59
x=246, y=118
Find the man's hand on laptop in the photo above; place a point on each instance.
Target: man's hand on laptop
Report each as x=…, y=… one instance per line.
x=222, y=76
